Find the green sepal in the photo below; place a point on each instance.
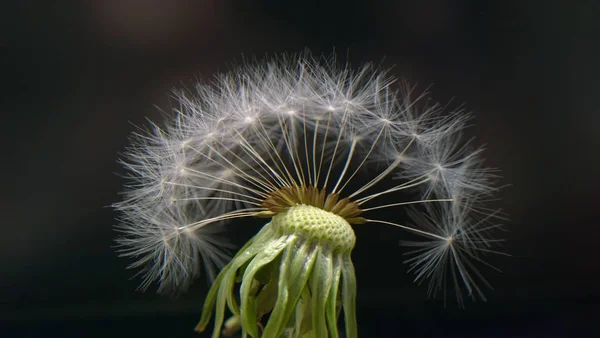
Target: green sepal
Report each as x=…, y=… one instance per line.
x=209, y=302
x=265, y=275
x=332, y=300
x=295, y=272
x=249, y=307
x=260, y=241
x=322, y=277
x=267, y=297
x=302, y=320
x=349, y=297
x=222, y=288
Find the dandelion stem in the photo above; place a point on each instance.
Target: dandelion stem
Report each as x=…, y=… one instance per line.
x=306, y=154
x=213, y=198
x=240, y=213
x=323, y=150
x=265, y=136
x=412, y=183
x=364, y=160
x=290, y=151
x=337, y=144
x=216, y=190
x=250, y=150
x=266, y=185
x=429, y=234
x=386, y=172
x=350, y=152
x=314, y=151
x=222, y=180
x=407, y=203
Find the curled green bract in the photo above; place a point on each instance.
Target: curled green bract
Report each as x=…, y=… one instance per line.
x=292, y=279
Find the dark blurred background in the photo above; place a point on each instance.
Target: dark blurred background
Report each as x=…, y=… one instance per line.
x=76, y=75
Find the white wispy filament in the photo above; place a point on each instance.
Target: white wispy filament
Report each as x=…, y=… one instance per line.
x=299, y=121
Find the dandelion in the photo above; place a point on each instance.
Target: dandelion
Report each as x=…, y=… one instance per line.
x=314, y=149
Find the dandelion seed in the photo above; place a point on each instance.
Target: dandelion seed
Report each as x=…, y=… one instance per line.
x=287, y=141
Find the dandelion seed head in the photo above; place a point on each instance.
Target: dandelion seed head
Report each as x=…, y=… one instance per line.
x=294, y=131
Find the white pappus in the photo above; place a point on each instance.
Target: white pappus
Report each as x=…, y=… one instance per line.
x=300, y=121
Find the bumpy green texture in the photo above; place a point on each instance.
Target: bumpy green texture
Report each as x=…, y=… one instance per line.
x=297, y=270
x=318, y=225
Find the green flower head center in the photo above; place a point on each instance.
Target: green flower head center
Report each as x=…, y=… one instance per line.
x=316, y=224
x=295, y=276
